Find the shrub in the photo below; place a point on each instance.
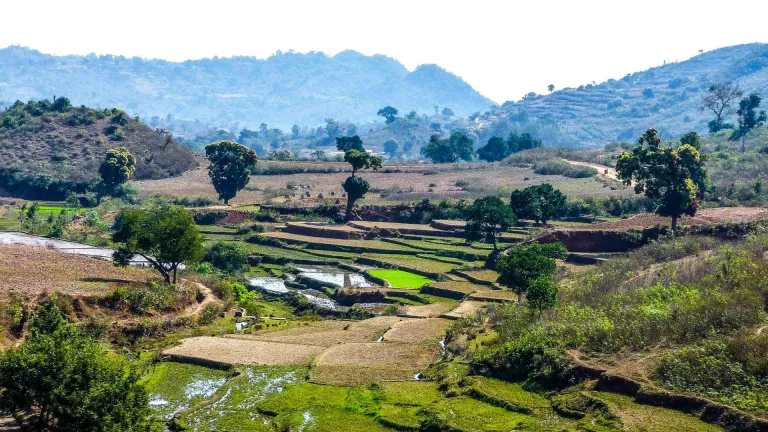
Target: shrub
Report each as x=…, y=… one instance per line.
x=210, y=217
x=558, y=167
x=227, y=257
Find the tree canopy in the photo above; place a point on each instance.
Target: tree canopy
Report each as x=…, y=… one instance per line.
x=391, y=147
x=164, y=235
x=68, y=381
x=497, y=148
x=358, y=158
x=389, y=113
x=117, y=168
x=487, y=217
x=719, y=100
x=664, y=174
x=521, y=266
x=540, y=202
x=749, y=117
x=230, y=167
x=452, y=149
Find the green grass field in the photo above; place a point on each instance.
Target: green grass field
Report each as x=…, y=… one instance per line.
x=401, y=279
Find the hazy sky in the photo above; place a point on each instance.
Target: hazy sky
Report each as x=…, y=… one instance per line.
x=502, y=48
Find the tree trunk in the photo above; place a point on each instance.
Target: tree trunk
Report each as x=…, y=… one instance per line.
x=350, y=204
x=519, y=297
x=174, y=275
x=226, y=201
x=495, y=245
x=742, y=145
x=674, y=224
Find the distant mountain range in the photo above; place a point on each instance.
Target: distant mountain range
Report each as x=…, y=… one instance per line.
x=667, y=98
x=281, y=91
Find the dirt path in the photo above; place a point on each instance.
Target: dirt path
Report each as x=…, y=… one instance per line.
x=198, y=309
x=602, y=170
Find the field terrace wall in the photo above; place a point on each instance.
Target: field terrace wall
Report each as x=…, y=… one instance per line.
x=325, y=231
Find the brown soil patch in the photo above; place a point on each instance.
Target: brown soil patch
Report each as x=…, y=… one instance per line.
x=426, y=311
x=352, y=364
x=417, y=331
x=30, y=271
x=243, y=352
x=327, y=333
x=494, y=295
x=466, y=308
x=703, y=217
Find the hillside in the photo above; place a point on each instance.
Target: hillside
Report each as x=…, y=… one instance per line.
x=667, y=97
x=283, y=90
x=47, y=147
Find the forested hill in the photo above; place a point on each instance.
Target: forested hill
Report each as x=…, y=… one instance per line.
x=283, y=90
x=667, y=97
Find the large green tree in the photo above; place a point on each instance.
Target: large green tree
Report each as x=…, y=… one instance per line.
x=749, y=117
x=230, y=167
x=117, y=168
x=542, y=294
x=540, y=203
x=487, y=217
x=456, y=147
x=495, y=150
x=519, y=267
x=165, y=235
x=391, y=147
x=359, y=159
x=67, y=381
x=389, y=113
x=664, y=174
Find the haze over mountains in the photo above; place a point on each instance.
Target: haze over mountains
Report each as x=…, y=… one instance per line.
x=283, y=90
x=305, y=89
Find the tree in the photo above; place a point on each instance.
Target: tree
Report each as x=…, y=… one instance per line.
x=230, y=167
x=542, y=294
x=165, y=235
x=718, y=100
x=317, y=154
x=496, y=149
x=447, y=112
x=226, y=256
x=521, y=266
x=664, y=174
x=452, y=149
x=749, y=118
x=61, y=104
x=389, y=113
x=698, y=173
x=540, y=202
x=118, y=166
x=67, y=381
x=348, y=143
x=487, y=217
x=551, y=88
x=333, y=129
x=390, y=147
x=359, y=159
x=295, y=132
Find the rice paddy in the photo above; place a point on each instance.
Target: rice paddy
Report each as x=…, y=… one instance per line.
x=401, y=279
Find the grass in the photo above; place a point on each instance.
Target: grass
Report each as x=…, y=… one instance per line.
x=176, y=386
x=648, y=418
x=401, y=279
x=483, y=275
x=469, y=415
x=410, y=263
x=349, y=245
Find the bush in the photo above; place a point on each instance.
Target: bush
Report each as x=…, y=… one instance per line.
x=209, y=218
x=226, y=257
x=558, y=167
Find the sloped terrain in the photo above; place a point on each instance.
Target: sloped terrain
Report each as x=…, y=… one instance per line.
x=667, y=97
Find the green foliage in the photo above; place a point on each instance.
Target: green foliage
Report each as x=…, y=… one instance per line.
x=487, y=217
x=356, y=187
x=563, y=168
x=749, y=117
x=118, y=167
x=348, y=143
x=165, y=235
x=540, y=203
x=452, y=149
x=665, y=174
x=229, y=169
x=391, y=147
x=146, y=298
x=362, y=160
x=389, y=113
x=228, y=257
x=67, y=381
x=542, y=294
x=521, y=266
x=497, y=149
x=203, y=268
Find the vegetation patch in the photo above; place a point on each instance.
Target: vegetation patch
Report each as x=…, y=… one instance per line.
x=400, y=279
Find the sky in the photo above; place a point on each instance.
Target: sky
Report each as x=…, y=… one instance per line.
x=504, y=49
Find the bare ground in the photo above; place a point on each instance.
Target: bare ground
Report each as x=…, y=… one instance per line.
x=244, y=352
